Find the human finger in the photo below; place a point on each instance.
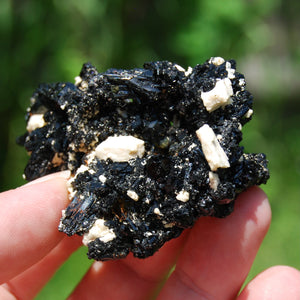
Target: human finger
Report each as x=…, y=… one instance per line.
x=276, y=283
x=130, y=278
x=218, y=253
x=29, y=217
x=31, y=281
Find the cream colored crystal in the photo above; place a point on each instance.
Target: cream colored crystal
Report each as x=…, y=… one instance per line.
x=183, y=196
x=249, y=113
x=213, y=180
x=230, y=71
x=219, y=96
x=102, y=178
x=217, y=61
x=98, y=230
x=120, y=148
x=133, y=195
x=157, y=211
x=35, y=121
x=213, y=152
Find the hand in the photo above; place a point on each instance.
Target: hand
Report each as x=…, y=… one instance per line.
x=212, y=259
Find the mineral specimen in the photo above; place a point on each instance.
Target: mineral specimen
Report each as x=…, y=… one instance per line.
x=150, y=151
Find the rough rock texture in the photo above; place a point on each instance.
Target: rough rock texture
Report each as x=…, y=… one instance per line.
x=150, y=151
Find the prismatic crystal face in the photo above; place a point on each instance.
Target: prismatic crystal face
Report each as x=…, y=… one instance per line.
x=150, y=151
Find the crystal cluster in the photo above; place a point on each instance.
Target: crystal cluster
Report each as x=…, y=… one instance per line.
x=150, y=150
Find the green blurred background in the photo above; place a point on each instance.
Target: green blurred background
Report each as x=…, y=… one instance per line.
x=48, y=41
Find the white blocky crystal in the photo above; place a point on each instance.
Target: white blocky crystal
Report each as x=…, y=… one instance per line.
x=78, y=80
x=35, y=121
x=249, y=113
x=183, y=196
x=230, y=71
x=180, y=68
x=133, y=195
x=219, y=96
x=84, y=85
x=217, y=61
x=81, y=169
x=102, y=178
x=120, y=148
x=242, y=83
x=213, y=152
x=188, y=71
x=98, y=230
x=157, y=211
x=213, y=180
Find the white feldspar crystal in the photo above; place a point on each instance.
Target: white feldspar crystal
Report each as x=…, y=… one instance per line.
x=81, y=169
x=148, y=233
x=219, y=96
x=192, y=146
x=98, y=230
x=217, y=61
x=242, y=83
x=188, y=71
x=183, y=196
x=213, y=152
x=230, y=71
x=213, y=180
x=157, y=211
x=78, y=80
x=35, y=121
x=102, y=178
x=120, y=148
x=180, y=68
x=249, y=113
x=84, y=85
x=133, y=195
x=169, y=225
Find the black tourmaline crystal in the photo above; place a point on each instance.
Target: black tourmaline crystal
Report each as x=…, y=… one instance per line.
x=150, y=151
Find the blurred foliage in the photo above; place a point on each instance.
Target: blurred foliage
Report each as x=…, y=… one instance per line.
x=48, y=41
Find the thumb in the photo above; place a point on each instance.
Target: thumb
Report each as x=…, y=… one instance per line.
x=29, y=217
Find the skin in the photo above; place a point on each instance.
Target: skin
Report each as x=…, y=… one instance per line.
x=212, y=259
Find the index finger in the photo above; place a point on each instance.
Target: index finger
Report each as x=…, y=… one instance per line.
x=29, y=217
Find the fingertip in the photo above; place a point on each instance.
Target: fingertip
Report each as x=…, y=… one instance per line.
x=278, y=282
x=253, y=197
x=63, y=174
x=253, y=205
x=53, y=184
x=52, y=189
